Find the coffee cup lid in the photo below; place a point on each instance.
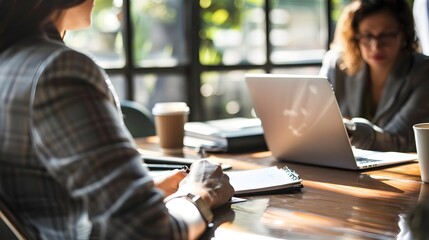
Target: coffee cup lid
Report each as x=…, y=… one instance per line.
x=167, y=108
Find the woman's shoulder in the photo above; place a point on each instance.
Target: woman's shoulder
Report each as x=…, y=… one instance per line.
x=420, y=58
x=61, y=59
x=58, y=51
x=31, y=52
x=69, y=68
x=333, y=54
x=419, y=68
x=332, y=58
x=28, y=56
x=420, y=63
x=331, y=62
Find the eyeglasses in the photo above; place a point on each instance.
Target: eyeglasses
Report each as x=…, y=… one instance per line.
x=384, y=39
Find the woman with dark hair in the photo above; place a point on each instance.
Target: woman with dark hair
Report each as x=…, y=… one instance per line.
x=380, y=81
x=67, y=161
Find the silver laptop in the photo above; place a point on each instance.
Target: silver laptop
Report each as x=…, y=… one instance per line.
x=302, y=123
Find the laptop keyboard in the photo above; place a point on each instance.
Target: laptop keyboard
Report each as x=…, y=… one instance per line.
x=364, y=160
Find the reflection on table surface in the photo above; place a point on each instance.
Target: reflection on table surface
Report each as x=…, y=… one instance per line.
x=334, y=203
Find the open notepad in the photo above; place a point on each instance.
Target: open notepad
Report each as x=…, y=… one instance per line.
x=264, y=180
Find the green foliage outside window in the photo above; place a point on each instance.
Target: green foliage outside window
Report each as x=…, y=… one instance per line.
x=220, y=15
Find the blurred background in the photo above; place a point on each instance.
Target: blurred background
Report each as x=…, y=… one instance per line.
x=198, y=51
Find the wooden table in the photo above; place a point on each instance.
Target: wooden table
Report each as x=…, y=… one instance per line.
x=334, y=203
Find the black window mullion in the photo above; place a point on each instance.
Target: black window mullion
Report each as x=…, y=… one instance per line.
x=330, y=23
x=128, y=45
x=269, y=49
x=195, y=68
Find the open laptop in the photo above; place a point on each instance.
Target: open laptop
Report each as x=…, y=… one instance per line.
x=302, y=123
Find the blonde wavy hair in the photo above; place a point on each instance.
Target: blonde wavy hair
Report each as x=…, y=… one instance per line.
x=348, y=23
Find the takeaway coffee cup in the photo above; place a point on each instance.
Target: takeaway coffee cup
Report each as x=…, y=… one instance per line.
x=421, y=133
x=170, y=118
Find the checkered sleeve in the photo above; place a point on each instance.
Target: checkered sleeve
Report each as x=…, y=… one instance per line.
x=81, y=139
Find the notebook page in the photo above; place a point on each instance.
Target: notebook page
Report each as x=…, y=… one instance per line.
x=264, y=179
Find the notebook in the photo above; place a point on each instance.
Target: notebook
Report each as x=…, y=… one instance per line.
x=268, y=180
x=302, y=123
x=226, y=135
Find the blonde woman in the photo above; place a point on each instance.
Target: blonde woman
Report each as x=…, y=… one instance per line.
x=380, y=81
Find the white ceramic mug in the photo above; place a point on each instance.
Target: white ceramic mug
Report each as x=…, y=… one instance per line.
x=421, y=133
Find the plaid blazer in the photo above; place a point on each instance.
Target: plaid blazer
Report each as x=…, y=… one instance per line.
x=66, y=159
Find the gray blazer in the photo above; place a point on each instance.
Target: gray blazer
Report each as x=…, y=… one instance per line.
x=404, y=102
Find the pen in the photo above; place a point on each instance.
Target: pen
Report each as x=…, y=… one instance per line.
x=154, y=166
x=170, y=163
x=186, y=168
x=167, y=160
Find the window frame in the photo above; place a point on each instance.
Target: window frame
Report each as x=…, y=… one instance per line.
x=193, y=69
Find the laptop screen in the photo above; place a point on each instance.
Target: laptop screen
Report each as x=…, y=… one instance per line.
x=301, y=119
x=303, y=123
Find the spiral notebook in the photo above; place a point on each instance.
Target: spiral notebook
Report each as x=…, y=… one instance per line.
x=267, y=180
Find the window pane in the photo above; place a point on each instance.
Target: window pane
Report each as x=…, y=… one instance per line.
x=225, y=95
x=298, y=70
x=337, y=9
x=338, y=6
x=299, y=30
x=159, y=33
x=103, y=41
x=150, y=89
x=232, y=32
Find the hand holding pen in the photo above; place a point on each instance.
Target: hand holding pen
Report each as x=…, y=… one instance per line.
x=207, y=180
x=168, y=182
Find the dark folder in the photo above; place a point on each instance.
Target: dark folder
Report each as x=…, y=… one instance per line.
x=227, y=135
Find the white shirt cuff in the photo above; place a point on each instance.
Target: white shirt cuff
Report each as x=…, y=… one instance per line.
x=181, y=208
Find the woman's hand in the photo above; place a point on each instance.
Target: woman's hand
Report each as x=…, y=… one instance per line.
x=350, y=126
x=169, y=182
x=207, y=180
